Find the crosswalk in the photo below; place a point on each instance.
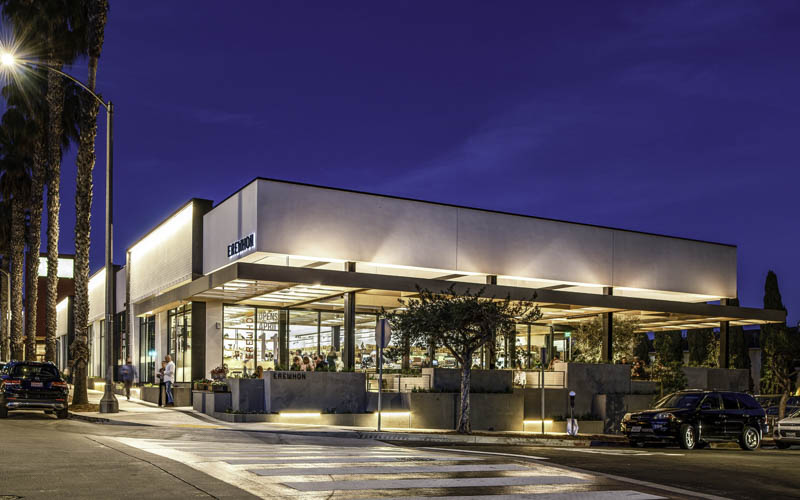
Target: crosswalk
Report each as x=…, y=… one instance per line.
x=367, y=470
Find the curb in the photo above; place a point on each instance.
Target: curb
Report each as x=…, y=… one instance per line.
x=101, y=420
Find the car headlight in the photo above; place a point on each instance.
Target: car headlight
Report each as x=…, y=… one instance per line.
x=627, y=416
x=664, y=416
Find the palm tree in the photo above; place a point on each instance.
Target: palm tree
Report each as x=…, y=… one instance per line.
x=5, y=252
x=15, y=163
x=97, y=15
x=58, y=28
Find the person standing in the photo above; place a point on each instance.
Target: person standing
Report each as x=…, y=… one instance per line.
x=169, y=380
x=160, y=378
x=127, y=373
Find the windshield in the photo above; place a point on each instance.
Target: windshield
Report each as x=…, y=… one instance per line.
x=31, y=371
x=794, y=414
x=680, y=400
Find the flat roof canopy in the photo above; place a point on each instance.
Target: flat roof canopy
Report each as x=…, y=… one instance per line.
x=301, y=287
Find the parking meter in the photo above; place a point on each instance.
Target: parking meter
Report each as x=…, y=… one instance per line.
x=572, y=425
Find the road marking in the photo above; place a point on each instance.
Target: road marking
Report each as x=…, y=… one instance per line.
x=531, y=457
x=639, y=453
x=401, y=484
x=394, y=469
x=333, y=459
x=576, y=495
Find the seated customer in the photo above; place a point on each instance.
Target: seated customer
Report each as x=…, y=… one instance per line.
x=296, y=364
x=555, y=361
x=307, y=365
x=259, y=373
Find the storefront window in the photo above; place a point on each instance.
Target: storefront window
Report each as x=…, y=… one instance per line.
x=147, y=348
x=101, y=355
x=238, y=339
x=332, y=336
x=179, y=341
x=92, y=354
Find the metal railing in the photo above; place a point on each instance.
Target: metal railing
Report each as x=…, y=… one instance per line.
x=396, y=382
x=533, y=379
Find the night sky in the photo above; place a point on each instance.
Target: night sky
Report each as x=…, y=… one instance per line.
x=679, y=118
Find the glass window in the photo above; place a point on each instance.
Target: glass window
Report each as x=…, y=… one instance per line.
x=729, y=401
x=238, y=339
x=267, y=337
x=179, y=341
x=147, y=348
x=679, y=400
x=712, y=400
x=747, y=401
x=92, y=355
x=101, y=355
x=332, y=336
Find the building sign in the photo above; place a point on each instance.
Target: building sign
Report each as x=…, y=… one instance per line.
x=238, y=247
x=267, y=320
x=289, y=375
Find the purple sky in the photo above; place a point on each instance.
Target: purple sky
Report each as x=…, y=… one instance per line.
x=679, y=118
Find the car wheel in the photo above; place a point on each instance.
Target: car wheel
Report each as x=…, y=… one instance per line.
x=63, y=413
x=781, y=445
x=750, y=439
x=687, y=437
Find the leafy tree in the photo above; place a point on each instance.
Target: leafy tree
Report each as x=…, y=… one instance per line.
x=699, y=341
x=668, y=346
x=642, y=347
x=780, y=349
x=588, y=338
x=738, y=352
x=670, y=376
x=462, y=323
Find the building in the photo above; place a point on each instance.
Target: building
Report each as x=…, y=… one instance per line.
x=279, y=266
x=65, y=288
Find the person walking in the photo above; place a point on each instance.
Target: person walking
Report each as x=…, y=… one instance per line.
x=127, y=373
x=169, y=380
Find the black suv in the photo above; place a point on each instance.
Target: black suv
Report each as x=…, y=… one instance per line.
x=696, y=418
x=33, y=385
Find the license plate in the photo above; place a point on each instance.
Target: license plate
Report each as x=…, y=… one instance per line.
x=791, y=434
x=636, y=428
x=37, y=384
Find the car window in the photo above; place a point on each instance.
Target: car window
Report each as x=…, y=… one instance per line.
x=729, y=401
x=713, y=401
x=747, y=401
x=680, y=400
x=25, y=371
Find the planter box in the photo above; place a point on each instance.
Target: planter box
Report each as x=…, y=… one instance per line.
x=335, y=392
x=181, y=394
x=247, y=394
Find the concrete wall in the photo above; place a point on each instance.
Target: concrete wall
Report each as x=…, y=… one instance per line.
x=589, y=378
x=97, y=297
x=322, y=223
x=717, y=378
x=247, y=394
x=556, y=403
x=343, y=392
x=499, y=412
x=213, y=336
x=612, y=407
x=449, y=380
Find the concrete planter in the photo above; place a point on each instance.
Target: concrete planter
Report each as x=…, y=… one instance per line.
x=324, y=392
x=182, y=395
x=498, y=412
x=490, y=381
x=247, y=394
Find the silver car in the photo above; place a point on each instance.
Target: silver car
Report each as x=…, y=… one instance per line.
x=787, y=431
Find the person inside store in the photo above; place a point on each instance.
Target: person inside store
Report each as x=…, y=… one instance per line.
x=637, y=369
x=259, y=373
x=296, y=364
x=332, y=360
x=307, y=365
x=555, y=361
x=319, y=363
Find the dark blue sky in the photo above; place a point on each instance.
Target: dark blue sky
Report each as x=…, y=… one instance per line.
x=679, y=118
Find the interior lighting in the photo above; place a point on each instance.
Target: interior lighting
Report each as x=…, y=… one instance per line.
x=534, y=422
x=394, y=413
x=300, y=414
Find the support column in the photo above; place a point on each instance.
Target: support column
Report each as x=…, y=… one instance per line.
x=319, y=333
x=528, y=364
x=283, y=338
x=607, y=352
x=491, y=352
x=724, y=346
x=349, y=350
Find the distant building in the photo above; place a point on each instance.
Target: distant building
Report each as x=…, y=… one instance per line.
x=66, y=288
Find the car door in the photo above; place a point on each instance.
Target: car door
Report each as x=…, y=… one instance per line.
x=735, y=417
x=711, y=417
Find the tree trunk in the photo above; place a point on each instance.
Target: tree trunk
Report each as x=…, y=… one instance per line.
x=79, y=350
x=17, y=271
x=34, y=245
x=784, y=399
x=464, y=425
x=55, y=103
x=4, y=312
x=406, y=354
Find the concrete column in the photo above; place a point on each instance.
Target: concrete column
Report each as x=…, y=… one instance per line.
x=349, y=350
x=724, y=333
x=529, y=363
x=319, y=333
x=607, y=352
x=283, y=338
x=213, y=340
x=492, y=350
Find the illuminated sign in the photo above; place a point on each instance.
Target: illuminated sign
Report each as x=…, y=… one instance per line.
x=241, y=246
x=64, y=267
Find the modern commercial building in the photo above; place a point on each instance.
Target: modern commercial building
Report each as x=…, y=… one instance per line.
x=278, y=267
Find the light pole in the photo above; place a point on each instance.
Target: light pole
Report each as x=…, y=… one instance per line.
x=108, y=403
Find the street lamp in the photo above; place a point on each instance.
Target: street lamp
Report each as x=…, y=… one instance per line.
x=108, y=403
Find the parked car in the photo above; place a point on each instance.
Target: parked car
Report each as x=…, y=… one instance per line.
x=696, y=418
x=33, y=385
x=787, y=431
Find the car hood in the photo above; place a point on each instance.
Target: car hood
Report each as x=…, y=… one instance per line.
x=652, y=413
x=790, y=420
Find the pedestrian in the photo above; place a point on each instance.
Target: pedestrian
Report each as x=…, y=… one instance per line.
x=160, y=378
x=127, y=373
x=169, y=380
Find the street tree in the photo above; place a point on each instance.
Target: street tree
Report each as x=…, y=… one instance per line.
x=97, y=13
x=462, y=323
x=698, y=341
x=669, y=348
x=588, y=338
x=780, y=349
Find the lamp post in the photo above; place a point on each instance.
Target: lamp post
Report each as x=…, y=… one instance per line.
x=108, y=403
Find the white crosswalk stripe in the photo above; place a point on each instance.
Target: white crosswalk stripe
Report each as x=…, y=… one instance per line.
x=359, y=472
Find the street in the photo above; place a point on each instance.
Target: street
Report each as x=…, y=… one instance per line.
x=49, y=458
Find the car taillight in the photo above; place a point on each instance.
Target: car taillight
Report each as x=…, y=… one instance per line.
x=62, y=385
x=11, y=383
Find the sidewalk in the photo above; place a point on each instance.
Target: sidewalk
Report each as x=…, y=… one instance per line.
x=138, y=412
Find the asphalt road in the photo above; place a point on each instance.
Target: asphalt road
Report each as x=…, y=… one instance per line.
x=733, y=473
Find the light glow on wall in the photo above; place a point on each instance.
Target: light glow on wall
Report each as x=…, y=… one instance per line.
x=99, y=279
x=163, y=232
x=61, y=305
x=300, y=414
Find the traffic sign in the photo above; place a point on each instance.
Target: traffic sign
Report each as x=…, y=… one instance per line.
x=383, y=329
